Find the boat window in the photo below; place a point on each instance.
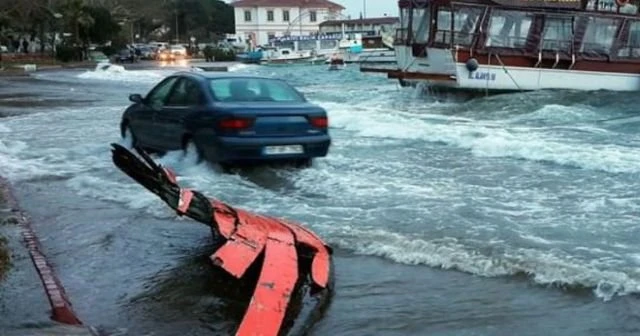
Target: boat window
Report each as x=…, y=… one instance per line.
x=629, y=9
x=611, y=6
x=465, y=20
x=558, y=33
x=632, y=48
x=402, y=31
x=599, y=36
x=508, y=29
x=307, y=44
x=328, y=44
x=420, y=25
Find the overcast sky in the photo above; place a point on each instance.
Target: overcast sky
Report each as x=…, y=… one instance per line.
x=375, y=8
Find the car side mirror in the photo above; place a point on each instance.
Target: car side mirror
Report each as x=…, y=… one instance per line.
x=136, y=98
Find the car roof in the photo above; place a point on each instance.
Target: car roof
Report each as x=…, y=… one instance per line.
x=218, y=75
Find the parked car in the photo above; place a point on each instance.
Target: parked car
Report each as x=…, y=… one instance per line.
x=228, y=119
x=125, y=55
x=165, y=55
x=178, y=51
x=145, y=52
x=97, y=56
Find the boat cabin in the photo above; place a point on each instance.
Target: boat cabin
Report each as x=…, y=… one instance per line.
x=569, y=34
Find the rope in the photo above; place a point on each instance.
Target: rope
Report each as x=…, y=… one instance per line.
x=508, y=73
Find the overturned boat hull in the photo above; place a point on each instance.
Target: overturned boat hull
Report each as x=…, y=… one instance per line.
x=285, y=269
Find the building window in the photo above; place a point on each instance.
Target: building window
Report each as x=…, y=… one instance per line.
x=270, y=15
x=247, y=16
x=313, y=17
x=271, y=36
x=285, y=15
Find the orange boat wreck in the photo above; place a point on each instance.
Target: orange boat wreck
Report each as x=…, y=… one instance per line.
x=291, y=266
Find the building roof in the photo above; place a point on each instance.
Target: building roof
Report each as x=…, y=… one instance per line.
x=287, y=3
x=368, y=21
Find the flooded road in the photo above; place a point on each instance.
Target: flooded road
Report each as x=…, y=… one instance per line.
x=509, y=215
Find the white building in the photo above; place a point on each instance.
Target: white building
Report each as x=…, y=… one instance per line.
x=260, y=20
x=368, y=26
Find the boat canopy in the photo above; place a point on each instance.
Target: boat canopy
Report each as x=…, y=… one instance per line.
x=615, y=6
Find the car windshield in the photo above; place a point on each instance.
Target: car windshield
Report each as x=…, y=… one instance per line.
x=243, y=89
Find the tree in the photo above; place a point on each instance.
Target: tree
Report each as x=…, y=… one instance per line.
x=77, y=17
x=104, y=27
x=222, y=18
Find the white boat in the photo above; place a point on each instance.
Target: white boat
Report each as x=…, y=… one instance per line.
x=504, y=46
x=287, y=56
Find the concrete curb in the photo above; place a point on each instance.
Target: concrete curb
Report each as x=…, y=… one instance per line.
x=61, y=310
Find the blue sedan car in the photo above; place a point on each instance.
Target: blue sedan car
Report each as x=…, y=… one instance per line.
x=228, y=119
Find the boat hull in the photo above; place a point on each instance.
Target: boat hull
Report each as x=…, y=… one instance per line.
x=447, y=69
x=297, y=61
x=308, y=302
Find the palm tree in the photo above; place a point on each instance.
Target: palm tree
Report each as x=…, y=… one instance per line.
x=76, y=15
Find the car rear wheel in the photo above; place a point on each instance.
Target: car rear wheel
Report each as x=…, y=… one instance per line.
x=303, y=163
x=191, y=152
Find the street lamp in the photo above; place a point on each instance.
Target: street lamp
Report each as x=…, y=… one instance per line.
x=57, y=16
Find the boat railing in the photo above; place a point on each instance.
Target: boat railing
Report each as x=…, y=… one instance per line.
x=449, y=38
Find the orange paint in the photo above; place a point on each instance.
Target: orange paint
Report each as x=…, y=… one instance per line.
x=241, y=250
x=224, y=218
x=320, y=265
x=275, y=286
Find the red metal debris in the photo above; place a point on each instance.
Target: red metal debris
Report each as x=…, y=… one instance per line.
x=247, y=236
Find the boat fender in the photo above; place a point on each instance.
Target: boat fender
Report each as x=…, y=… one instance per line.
x=621, y=3
x=472, y=64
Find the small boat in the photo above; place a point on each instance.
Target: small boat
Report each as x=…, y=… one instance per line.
x=251, y=57
x=336, y=62
x=288, y=56
x=289, y=268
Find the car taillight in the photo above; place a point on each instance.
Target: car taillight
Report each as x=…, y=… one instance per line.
x=235, y=123
x=319, y=122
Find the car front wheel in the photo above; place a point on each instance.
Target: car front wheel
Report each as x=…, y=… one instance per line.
x=127, y=136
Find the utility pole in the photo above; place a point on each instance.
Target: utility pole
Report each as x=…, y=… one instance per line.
x=177, y=31
x=364, y=9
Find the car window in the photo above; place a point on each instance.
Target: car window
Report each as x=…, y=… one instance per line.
x=185, y=93
x=253, y=89
x=158, y=94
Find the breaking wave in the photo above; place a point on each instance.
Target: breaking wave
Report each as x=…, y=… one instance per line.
x=508, y=138
x=543, y=267
x=117, y=73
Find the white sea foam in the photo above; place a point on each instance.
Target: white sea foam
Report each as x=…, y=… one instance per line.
x=117, y=73
x=545, y=267
x=489, y=140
